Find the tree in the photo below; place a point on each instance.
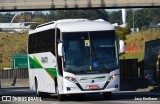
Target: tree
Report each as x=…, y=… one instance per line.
x=153, y=15
x=115, y=17
x=6, y=18
x=122, y=32
x=139, y=17
x=33, y=26
x=73, y=14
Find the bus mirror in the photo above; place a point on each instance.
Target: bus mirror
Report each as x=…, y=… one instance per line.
x=60, y=49
x=121, y=47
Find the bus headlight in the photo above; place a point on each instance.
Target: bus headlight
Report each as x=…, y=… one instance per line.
x=112, y=77
x=71, y=79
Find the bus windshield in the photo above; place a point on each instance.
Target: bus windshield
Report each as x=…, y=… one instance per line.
x=90, y=52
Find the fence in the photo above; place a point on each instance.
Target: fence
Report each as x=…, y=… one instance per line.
x=10, y=74
x=129, y=68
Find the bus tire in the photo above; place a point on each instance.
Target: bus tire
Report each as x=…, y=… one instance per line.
x=38, y=93
x=61, y=97
x=107, y=95
x=46, y=95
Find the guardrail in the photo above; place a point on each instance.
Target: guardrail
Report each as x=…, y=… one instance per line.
x=12, y=73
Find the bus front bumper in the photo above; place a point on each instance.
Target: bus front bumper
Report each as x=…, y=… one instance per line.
x=74, y=88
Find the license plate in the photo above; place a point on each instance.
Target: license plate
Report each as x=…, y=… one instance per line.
x=91, y=87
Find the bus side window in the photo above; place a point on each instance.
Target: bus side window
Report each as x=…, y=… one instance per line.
x=34, y=43
x=30, y=45
x=42, y=42
x=51, y=41
x=48, y=41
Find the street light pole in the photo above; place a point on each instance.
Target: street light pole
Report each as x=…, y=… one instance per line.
x=133, y=21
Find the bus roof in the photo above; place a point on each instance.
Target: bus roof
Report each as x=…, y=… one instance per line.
x=75, y=25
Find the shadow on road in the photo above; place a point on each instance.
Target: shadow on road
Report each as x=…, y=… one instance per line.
x=156, y=89
x=126, y=96
x=122, y=95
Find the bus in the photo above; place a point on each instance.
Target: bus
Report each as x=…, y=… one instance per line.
x=74, y=56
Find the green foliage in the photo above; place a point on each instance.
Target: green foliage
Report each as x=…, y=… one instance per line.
x=33, y=26
x=152, y=14
x=5, y=18
x=138, y=55
x=115, y=17
x=144, y=28
x=138, y=18
x=140, y=38
x=122, y=32
x=72, y=14
x=142, y=17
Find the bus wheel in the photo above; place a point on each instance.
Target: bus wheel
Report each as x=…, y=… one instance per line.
x=39, y=94
x=61, y=97
x=107, y=95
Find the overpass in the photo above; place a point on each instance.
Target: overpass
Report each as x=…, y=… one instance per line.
x=17, y=5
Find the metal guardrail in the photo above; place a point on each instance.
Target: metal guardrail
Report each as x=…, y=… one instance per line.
x=10, y=74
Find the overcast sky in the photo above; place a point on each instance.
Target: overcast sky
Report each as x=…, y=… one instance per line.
x=111, y=10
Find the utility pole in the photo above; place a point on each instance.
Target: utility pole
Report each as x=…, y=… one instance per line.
x=133, y=21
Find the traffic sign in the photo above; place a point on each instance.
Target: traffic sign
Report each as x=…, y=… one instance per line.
x=19, y=61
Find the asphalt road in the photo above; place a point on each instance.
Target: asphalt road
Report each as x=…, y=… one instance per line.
x=121, y=97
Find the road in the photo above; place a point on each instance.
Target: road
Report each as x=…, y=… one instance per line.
x=121, y=97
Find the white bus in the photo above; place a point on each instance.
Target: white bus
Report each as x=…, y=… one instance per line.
x=73, y=56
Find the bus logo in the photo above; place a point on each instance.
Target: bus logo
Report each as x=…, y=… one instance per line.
x=44, y=60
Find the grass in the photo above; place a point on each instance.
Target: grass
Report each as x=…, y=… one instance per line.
x=11, y=43
x=140, y=38
x=139, y=55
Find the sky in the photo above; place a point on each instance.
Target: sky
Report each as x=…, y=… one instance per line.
x=111, y=10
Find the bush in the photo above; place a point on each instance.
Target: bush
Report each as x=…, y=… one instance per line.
x=122, y=32
x=33, y=26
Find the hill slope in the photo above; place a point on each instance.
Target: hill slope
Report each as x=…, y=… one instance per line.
x=12, y=43
x=137, y=40
x=135, y=43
